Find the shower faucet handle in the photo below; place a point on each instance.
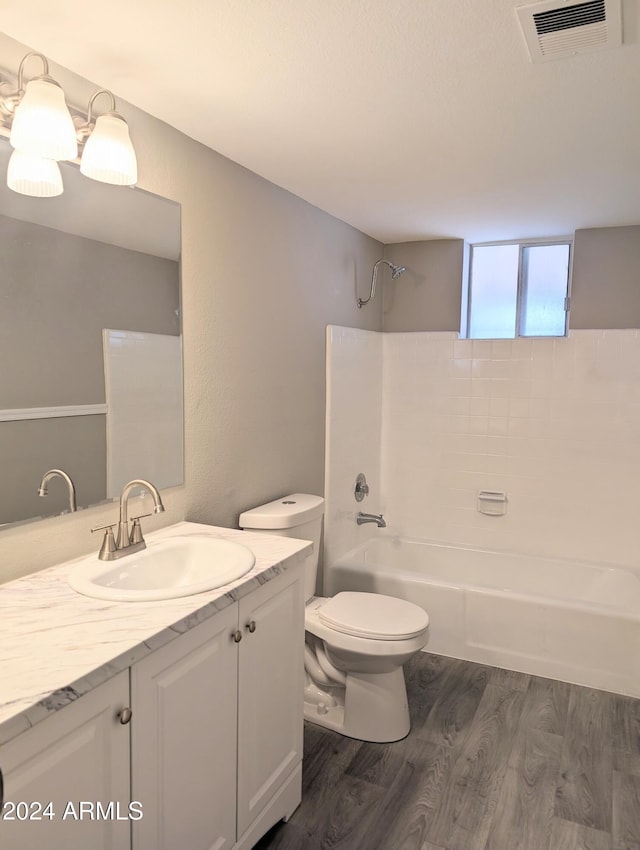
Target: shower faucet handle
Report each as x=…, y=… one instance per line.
x=362, y=488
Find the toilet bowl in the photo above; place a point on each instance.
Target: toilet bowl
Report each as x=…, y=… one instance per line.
x=365, y=638
x=355, y=643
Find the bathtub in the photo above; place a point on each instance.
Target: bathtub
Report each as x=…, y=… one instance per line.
x=578, y=622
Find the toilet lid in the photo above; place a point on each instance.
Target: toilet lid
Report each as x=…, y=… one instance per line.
x=372, y=615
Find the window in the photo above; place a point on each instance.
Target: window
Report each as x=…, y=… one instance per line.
x=518, y=289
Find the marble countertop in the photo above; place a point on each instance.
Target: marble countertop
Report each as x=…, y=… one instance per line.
x=56, y=644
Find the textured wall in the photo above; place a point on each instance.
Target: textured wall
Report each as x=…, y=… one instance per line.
x=605, y=290
x=263, y=273
x=427, y=296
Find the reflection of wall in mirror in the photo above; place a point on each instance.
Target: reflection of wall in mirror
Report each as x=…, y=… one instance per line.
x=57, y=293
x=143, y=382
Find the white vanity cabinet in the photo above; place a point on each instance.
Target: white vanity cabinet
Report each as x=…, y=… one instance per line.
x=270, y=704
x=55, y=773
x=211, y=756
x=217, y=727
x=184, y=739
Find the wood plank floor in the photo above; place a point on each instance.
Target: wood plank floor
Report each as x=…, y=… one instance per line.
x=495, y=761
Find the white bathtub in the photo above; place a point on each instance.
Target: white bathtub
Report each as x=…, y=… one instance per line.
x=578, y=622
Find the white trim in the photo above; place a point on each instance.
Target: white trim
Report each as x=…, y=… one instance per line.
x=21, y=413
x=542, y=240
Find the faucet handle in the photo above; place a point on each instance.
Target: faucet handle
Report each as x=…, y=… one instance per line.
x=136, y=529
x=108, y=542
x=110, y=525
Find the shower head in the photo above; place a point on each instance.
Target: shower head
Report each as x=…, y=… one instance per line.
x=396, y=271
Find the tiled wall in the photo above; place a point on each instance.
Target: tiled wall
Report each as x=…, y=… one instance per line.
x=553, y=423
x=354, y=406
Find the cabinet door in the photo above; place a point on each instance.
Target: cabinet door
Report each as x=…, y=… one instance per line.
x=184, y=739
x=75, y=759
x=270, y=696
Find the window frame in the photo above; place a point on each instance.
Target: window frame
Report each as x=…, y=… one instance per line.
x=521, y=286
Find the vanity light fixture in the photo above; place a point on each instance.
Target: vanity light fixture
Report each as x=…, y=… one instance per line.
x=42, y=125
x=42, y=131
x=33, y=175
x=108, y=154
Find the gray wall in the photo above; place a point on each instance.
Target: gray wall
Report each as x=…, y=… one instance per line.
x=427, y=296
x=605, y=289
x=263, y=273
x=254, y=330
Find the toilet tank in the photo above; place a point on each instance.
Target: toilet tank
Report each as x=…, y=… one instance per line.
x=298, y=515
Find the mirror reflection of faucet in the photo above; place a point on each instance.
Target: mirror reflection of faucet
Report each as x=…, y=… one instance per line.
x=60, y=473
x=362, y=518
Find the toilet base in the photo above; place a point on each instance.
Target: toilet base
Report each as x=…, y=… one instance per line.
x=372, y=707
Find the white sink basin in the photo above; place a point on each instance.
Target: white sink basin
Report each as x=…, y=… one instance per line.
x=166, y=569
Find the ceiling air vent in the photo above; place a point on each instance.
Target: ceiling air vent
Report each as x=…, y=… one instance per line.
x=556, y=30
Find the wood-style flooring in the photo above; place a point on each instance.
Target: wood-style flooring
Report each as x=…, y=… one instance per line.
x=495, y=760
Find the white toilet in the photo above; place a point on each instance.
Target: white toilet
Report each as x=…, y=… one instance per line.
x=356, y=643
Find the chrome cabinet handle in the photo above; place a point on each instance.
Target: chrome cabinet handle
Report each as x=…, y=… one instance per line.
x=237, y=636
x=124, y=716
x=251, y=626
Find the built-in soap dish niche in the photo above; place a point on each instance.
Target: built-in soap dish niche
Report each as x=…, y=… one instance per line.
x=492, y=503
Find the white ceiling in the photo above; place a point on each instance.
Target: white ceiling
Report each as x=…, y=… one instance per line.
x=409, y=119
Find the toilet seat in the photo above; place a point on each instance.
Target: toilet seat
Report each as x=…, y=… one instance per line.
x=373, y=616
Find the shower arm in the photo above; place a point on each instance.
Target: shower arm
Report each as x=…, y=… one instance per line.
x=374, y=277
x=396, y=271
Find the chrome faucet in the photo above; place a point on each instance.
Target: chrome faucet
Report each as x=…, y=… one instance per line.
x=127, y=542
x=361, y=519
x=60, y=473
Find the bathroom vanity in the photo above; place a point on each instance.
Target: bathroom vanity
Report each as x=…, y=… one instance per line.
x=152, y=725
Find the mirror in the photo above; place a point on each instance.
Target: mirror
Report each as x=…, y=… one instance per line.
x=90, y=343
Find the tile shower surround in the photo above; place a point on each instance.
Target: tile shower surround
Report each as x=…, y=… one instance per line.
x=353, y=427
x=554, y=423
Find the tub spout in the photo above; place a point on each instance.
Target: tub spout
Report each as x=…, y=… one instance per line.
x=361, y=519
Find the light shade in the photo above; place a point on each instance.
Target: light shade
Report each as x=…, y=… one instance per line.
x=108, y=154
x=32, y=175
x=42, y=125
